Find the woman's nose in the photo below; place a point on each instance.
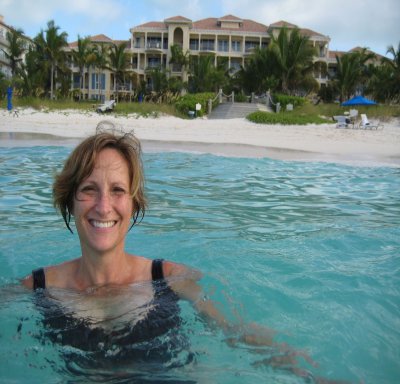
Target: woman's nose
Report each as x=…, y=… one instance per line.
x=103, y=203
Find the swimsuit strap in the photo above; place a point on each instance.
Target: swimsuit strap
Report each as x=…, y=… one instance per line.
x=157, y=272
x=39, y=279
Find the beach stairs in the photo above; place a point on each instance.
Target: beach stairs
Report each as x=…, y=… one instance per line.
x=236, y=110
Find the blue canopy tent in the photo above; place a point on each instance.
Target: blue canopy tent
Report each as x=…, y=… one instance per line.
x=358, y=100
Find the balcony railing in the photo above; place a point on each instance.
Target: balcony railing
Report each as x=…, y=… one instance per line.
x=154, y=45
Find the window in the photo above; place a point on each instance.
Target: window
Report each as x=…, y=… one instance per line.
x=207, y=45
x=223, y=45
x=154, y=42
x=95, y=81
x=154, y=62
x=194, y=44
x=236, y=46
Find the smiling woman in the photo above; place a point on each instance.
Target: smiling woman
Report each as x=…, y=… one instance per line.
x=108, y=302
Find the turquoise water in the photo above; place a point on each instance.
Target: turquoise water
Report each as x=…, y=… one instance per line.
x=311, y=250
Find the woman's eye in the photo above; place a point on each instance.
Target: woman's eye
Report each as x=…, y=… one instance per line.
x=118, y=191
x=88, y=189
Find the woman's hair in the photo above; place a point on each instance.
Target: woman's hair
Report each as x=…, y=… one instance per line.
x=80, y=165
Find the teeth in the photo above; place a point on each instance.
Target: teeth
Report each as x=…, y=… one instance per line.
x=103, y=224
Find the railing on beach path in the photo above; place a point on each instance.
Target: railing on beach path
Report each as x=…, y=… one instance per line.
x=253, y=98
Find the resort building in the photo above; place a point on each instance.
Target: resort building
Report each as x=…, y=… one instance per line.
x=229, y=39
x=5, y=66
x=98, y=81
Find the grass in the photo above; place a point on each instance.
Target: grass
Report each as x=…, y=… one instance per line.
x=305, y=114
x=122, y=108
x=322, y=114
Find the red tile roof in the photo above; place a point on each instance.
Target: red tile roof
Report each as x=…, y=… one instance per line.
x=309, y=32
x=282, y=24
x=152, y=24
x=245, y=25
x=180, y=19
x=229, y=18
x=96, y=39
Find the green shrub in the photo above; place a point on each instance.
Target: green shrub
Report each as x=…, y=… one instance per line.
x=188, y=103
x=284, y=100
x=284, y=118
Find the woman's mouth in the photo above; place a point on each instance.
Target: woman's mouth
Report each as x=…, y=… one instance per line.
x=102, y=224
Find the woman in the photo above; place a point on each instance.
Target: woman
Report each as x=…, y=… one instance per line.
x=102, y=187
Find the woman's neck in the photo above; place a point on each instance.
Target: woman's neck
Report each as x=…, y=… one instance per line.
x=97, y=270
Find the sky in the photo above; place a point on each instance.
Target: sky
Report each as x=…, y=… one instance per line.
x=374, y=24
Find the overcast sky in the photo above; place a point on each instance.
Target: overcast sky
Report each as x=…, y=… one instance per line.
x=374, y=24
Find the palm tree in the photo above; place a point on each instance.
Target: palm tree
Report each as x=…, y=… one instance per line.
x=81, y=59
x=15, y=50
x=292, y=56
x=205, y=76
x=384, y=83
x=52, y=44
x=258, y=73
x=99, y=59
x=119, y=62
x=179, y=60
x=351, y=72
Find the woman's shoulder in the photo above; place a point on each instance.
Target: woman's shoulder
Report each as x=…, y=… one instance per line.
x=54, y=275
x=172, y=269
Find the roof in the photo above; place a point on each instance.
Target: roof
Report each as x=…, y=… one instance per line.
x=333, y=54
x=216, y=24
x=309, y=32
x=245, y=25
x=95, y=39
x=282, y=24
x=152, y=24
x=230, y=18
x=179, y=19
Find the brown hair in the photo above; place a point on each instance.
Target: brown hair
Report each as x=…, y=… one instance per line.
x=80, y=165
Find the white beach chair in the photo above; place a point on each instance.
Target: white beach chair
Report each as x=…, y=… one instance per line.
x=353, y=114
x=365, y=124
x=108, y=106
x=341, y=121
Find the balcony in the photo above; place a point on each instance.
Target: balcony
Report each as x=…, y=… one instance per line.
x=154, y=46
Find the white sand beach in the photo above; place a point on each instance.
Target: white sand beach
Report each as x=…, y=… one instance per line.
x=232, y=137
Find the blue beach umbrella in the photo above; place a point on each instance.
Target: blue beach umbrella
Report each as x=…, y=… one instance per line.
x=358, y=100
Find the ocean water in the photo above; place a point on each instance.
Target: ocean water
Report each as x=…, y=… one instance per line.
x=311, y=250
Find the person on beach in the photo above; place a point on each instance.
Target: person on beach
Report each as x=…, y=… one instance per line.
x=101, y=186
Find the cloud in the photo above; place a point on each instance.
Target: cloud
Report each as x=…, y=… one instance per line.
x=349, y=23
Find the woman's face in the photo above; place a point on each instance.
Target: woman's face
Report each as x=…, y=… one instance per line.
x=102, y=206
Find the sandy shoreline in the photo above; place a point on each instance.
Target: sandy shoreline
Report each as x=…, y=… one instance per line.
x=233, y=137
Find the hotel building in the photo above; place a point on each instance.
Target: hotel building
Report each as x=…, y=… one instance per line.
x=228, y=39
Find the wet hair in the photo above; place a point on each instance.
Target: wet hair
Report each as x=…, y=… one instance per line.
x=81, y=162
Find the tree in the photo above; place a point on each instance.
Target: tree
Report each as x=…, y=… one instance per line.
x=119, y=61
x=205, y=76
x=257, y=75
x=352, y=72
x=15, y=49
x=81, y=58
x=179, y=60
x=292, y=59
x=50, y=43
x=99, y=59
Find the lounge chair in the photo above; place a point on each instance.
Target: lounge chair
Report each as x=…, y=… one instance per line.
x=341, y=121
x=365, y=124
x=353, y=114
x=108, y=106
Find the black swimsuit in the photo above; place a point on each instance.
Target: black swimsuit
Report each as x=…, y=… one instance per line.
x=153, y=337
x=39, y=278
